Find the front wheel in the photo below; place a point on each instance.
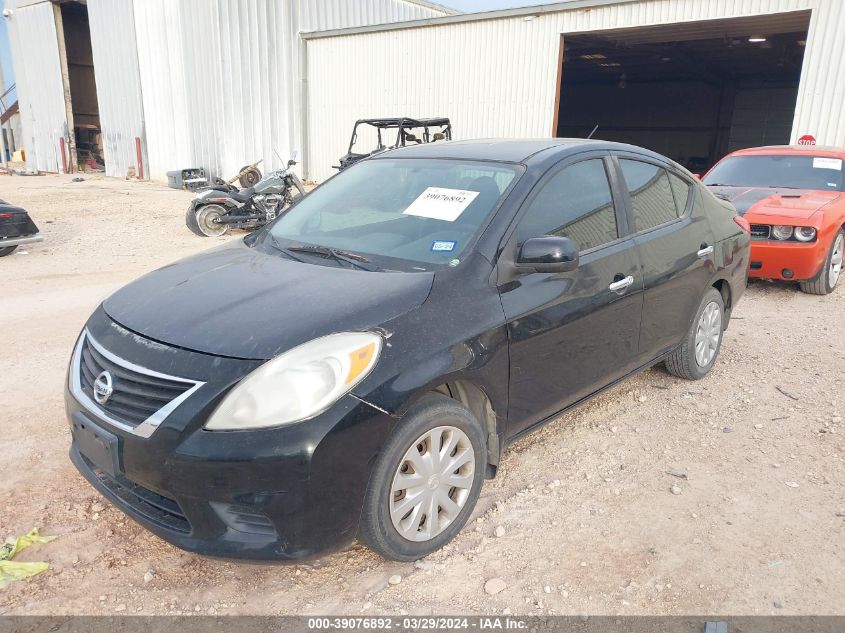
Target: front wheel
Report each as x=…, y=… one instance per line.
x=7, y=250
x=205, y=220
x=825, y=281
x=426, y=481
x=697, y=354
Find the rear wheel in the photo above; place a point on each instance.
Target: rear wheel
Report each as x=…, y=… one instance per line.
x=7, y=250
x=207, y=219
x=826, y=279
x=191, y=221
x=426, y=481
x=694, y=358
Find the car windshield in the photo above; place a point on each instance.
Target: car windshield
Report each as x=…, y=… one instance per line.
x=789, y=171
x=400, y=214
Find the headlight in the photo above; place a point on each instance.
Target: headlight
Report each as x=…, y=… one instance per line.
x=781, y=232
x=298, y=384
x=805, y=233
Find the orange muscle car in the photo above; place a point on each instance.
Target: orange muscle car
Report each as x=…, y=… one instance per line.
x=794, y=200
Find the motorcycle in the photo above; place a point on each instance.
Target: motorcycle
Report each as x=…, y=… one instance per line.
x=214, y=211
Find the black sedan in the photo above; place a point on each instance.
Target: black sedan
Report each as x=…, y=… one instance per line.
x=357, y=367
x=16, y=229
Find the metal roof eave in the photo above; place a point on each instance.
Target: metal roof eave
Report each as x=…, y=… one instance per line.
x=435, y=7
x=557, y=7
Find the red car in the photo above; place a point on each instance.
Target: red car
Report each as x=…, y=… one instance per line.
x=794, y=200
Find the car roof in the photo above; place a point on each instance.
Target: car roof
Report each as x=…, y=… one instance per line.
x=792, y=150
x=510, y=150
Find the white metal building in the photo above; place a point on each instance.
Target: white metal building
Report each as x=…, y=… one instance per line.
x=693, y=79
x=221, y=83
x=198, y=83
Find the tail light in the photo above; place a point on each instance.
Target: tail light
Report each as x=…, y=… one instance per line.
x=5, y=216
x=743, y=223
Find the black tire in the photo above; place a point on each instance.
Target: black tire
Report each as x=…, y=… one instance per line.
x=191, y=221
x=249, y=176
x=821, y=283
x=376, y=528
x=202, y=222
x=683, y=362
x=7, y=250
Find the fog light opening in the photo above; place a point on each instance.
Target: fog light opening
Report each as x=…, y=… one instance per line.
x=787, y=274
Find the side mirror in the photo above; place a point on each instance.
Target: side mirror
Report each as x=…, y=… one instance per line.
x=548, y=254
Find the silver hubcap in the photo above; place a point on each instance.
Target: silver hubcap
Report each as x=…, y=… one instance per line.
x=209, y=221
x=836, y=260
x=432, y=483
x=708, y=333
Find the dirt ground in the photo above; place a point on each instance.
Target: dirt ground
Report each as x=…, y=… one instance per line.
x=588, y=522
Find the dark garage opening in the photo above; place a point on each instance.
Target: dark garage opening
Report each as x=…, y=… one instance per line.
x=691, y=91
x=85, y=141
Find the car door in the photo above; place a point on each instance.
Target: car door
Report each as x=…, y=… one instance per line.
x=571, y=333
x=676, y=249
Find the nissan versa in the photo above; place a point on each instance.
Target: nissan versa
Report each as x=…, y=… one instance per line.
x=356, y=367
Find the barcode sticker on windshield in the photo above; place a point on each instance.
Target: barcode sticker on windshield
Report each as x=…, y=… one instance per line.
x=827, y=163
x=441, y=204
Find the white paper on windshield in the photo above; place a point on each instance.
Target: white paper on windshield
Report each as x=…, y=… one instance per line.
x=827, y=163
x=441, y=204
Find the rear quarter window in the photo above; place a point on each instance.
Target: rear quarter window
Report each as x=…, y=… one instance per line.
x=682, y=190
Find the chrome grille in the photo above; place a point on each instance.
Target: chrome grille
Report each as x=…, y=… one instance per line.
x=760, y=231
x=140, y=398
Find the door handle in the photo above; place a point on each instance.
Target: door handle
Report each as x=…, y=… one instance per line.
x=705, y=250
x=619, y=286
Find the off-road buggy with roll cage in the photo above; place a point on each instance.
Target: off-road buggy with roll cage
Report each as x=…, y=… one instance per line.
x=408, y=131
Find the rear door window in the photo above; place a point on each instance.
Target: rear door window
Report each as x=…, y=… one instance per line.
x=653, y=202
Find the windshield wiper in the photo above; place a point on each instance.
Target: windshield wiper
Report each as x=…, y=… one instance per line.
x=285, y=251
x=353, y=259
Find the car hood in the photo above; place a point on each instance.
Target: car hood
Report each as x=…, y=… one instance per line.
x=796, y=203
x=243, y=302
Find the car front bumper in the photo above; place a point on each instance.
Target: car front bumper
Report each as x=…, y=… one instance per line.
x=290, y=493
x=771, y=259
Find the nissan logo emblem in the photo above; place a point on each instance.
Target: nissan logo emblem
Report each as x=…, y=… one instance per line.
x=103, y=388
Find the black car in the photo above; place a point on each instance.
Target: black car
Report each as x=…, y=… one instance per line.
x=357, y=367
x=16, y=228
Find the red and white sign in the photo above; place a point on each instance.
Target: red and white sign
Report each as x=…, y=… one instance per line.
x=807, y=139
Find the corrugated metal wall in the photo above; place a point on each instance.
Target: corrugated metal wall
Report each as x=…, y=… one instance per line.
x=220, y=78
x=215, y=82
x=821, y=96
x=35, y=57
x=493, y=78
x=497, y=77
x=210, y=83
x=118, y=83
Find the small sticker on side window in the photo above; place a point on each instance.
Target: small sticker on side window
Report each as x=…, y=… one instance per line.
x=827, y=163
x=443, y=246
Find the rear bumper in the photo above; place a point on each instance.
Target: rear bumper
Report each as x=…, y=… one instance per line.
x=18, y=241
x=769, y=260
